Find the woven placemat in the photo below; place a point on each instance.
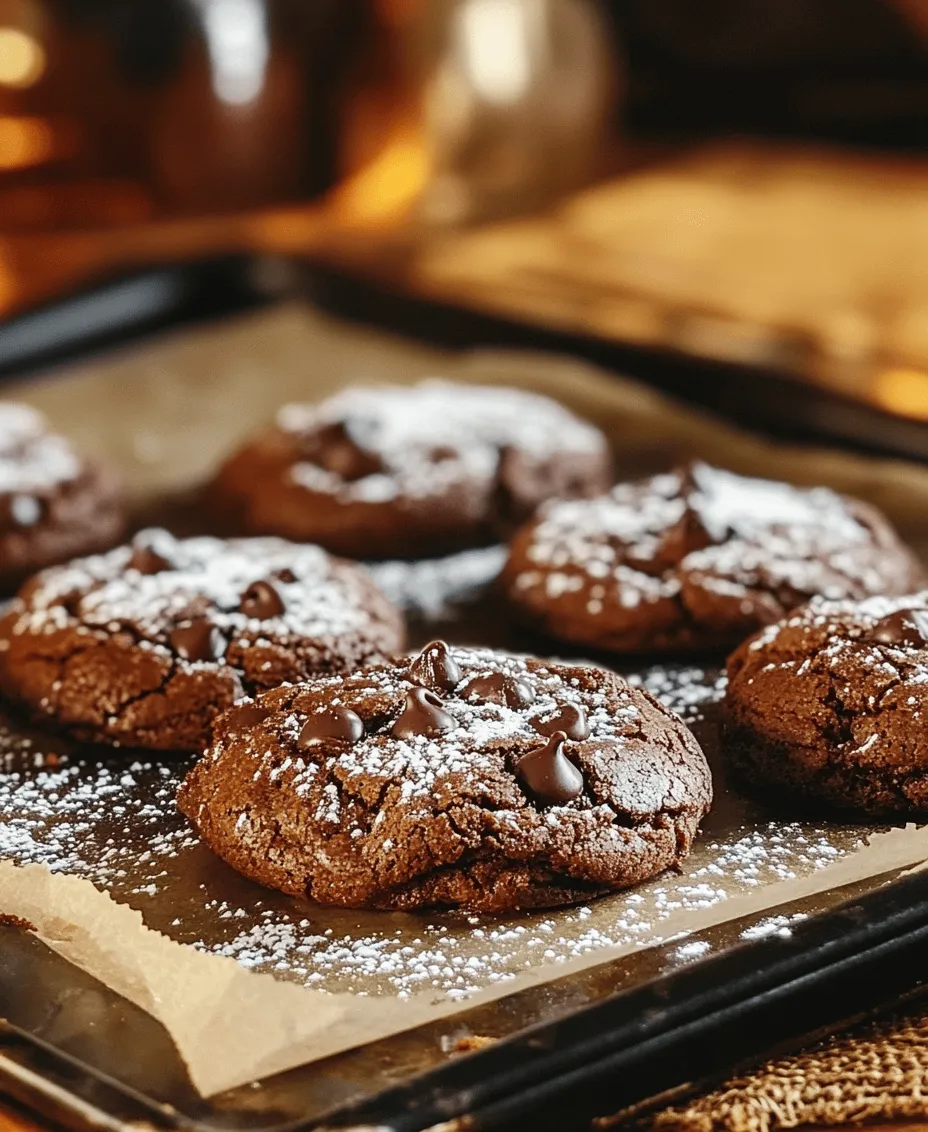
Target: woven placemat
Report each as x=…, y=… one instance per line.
x=878, y=1072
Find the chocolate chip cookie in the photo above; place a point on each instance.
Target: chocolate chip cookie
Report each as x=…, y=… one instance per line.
x=460, y=777
x=143, y=646
x=697, y=558
x=830, y=704
x=407, y=472
x=53, y=503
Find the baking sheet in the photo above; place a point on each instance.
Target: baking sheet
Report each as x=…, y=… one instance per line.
x=249, y=982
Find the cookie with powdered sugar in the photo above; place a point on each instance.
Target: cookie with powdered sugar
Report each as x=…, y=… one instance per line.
x=145, y=645
x=697, y=558
x=830, y=705
x=409, y=471
x=457, y=777
x=53, y=503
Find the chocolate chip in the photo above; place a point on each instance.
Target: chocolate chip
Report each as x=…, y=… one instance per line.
x=146, y=560
x=340, y=448
x=261, y=602
x=498, y=688
x=197, y=640
x=423, y=714
x=442, y=452
x=906, y=627
x=549, y=775
x=246, y=716
x=337, y=724
x=286, y=576
x=571, y=719
x=435, y=668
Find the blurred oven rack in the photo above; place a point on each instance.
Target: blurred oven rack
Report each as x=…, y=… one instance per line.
x=119, y=310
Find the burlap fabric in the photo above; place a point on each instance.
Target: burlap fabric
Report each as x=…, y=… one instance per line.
x=876, y=1073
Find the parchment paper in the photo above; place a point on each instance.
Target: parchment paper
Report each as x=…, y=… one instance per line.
x=232, y=1026
x=249, y=983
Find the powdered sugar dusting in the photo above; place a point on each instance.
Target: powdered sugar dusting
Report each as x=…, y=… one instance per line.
x=835, y=634
x=32, y=460
x=323, y=601
x=436, y=435
x=735, y=506
x=706, y=529
x=473, y=744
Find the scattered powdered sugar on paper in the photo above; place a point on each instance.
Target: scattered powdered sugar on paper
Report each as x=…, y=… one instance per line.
x=430, y=589
x=773, y=925
x=684, y=689
x=112, y=819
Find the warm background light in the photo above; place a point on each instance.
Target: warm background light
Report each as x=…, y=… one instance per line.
x=385, y=189
x=25, y=142
x=8, y=279
x=22, y=58
x=903, y=391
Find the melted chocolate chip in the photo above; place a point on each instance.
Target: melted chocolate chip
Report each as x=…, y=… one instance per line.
x=146, y=560
x=549, y=775
x=907, y=628
x=197, y=640
x=245, y=717
x=435, y=668
x=498, y=688
x=261, y=601
x=442, y=452
x=571, y=719
x=423, y=714
x=340, y=448
x=336, y=724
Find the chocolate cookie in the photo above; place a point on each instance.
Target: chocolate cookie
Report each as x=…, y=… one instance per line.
x=407, y=472
x=461, y=777
x=697, y=558
x=143, y=646
x=53, y=503
x=830, y=704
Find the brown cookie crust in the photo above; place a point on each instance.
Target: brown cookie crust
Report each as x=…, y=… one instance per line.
x=143, y=646
x=697, y=558
x=451, y=818
x=406, y=472
x=826, y=706
x=54, y=504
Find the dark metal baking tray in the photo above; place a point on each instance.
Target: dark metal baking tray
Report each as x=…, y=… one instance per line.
x=583, y=1046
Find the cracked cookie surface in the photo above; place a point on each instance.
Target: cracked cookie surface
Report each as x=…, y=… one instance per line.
x=409, y=471
x=831, y=705
x=143, y=646
x=53, y=503
x=697, y=558
x=460, y=777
